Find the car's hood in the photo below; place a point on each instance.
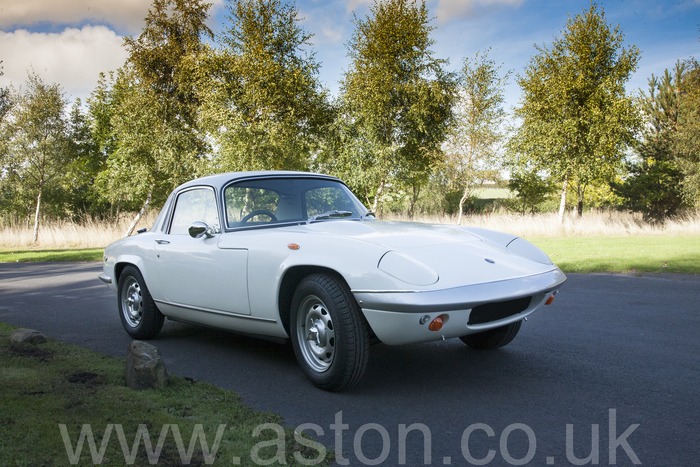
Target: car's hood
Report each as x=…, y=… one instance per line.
x=396, y=235
x=448, y=256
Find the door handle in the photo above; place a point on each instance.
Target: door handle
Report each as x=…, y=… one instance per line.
x=162, y=242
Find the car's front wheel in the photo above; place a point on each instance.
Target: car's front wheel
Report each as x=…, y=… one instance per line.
x=493, y=338
x=329, y=334
x=140, y=316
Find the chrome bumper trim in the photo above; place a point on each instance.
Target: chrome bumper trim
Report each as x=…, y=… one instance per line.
x=460, y=298
x=105, y=278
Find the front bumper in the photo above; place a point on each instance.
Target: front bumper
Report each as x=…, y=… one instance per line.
x=395, y=316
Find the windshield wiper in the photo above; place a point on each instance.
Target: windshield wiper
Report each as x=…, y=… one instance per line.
x=328, y=215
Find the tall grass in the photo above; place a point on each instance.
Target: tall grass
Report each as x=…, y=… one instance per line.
x=591, y=224
x=86, y=233
x=93, y=233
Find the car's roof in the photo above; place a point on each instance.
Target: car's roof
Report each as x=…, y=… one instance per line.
x=218, y=180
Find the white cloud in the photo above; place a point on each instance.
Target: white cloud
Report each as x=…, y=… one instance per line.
x=447, y=10
x=122, y=14
x=352, y=5
x=74, y=58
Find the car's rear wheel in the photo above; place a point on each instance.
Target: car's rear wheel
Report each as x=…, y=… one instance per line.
x=138, y=312
x=329, y=334
x=493, y=338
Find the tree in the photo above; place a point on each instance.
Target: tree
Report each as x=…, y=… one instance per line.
x=479, y=115
x=396, y=95
x=530, y=191
x=86, y=163
x=687, y=139
x=263, y=101
x=576, y=118
x=37, y=141
x=653, y=185
x=156, y=138
x=4, y=97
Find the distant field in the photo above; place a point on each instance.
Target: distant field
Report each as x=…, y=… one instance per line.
x=493, y=193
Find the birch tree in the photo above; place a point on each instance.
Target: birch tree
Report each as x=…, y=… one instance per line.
x=398, y=94
x=577, y=119
x=36, y=141
x=154, y=127
x=473, y=143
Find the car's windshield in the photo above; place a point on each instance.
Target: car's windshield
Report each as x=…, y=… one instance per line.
x=278, y=200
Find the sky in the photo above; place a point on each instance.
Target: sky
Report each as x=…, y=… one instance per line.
x=70, y=42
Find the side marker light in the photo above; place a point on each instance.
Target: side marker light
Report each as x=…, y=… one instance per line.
x=437, y=323
x=293, y=246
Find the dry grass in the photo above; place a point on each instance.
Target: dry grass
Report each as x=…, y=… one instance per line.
x=89, y=233
x=97, y=234
x=595, y=224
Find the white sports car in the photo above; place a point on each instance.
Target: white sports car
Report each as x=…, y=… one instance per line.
x=294, y=255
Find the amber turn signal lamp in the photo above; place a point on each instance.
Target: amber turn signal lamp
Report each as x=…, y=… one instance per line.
x=549, y=300
x=436, y=324
x=293, y=246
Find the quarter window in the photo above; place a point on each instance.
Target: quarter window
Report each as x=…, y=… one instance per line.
x=198, y=204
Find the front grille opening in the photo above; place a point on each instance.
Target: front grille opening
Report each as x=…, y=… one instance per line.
x=498, y=310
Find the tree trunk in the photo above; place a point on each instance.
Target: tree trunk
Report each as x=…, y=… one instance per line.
x=580, y=207
x=562, y=204
x=36, y=217
x=416, y=192
x=140, y=214
x=378, y=195
x=461, y=204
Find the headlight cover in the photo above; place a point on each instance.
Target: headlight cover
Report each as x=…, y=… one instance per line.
x=528, y=250
x=407, y=269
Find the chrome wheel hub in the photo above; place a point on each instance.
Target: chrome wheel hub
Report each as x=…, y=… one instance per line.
x=132, y=302
x=316, y=333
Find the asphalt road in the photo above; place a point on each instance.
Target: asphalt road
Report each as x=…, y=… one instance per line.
x=614, y=361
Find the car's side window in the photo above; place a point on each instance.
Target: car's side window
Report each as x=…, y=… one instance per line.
x=243, y=202
x=198, y=204
x=320, y=200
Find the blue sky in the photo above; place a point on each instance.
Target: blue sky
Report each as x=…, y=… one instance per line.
x=71, y=41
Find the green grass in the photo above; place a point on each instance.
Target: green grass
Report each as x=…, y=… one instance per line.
x=670, y=254
x=52, y=384
x=26, y=255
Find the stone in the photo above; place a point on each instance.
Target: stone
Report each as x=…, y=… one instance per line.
x=26, y=336
x=145, y=368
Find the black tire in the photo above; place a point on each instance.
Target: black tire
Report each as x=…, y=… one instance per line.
x=493, y=338
x=137, y=310
x=329, y=334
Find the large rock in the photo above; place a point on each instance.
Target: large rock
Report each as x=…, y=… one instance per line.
x=145, y=367
x=26, y=336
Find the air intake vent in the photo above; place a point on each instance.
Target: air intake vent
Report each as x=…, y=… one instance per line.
x=498, y=310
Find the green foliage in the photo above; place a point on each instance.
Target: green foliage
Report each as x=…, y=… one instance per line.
x=4, y=97
x=147, y=122
x=576, y=118
x=687, y=139
x=263, y=101
x=531, y=190
x=36, y=149
x=396, y=101
x=653, y=185
x=473, y=141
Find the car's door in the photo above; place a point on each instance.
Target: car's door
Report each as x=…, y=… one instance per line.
x=194, y=272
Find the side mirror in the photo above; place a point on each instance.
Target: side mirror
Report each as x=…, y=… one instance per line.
x=198, y=229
